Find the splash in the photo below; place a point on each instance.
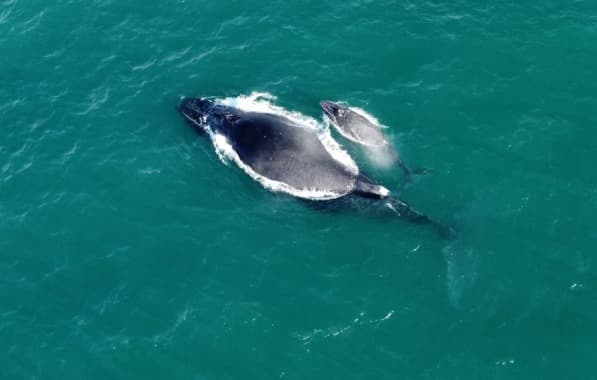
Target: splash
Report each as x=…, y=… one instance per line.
x=384, y=156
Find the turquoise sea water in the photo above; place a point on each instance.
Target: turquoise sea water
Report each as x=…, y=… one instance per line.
x=129, y=251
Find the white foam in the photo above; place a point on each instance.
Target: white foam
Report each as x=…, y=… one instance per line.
x=382, y=156
x=262, y=102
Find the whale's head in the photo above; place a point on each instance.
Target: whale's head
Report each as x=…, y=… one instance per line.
x=206, y=113
x=336, y=112
x=196, y=110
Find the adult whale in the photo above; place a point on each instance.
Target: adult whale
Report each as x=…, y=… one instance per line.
x=364, y=131
x=285, y=156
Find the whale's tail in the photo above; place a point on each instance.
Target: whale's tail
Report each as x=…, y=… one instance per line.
x=367, y=188
x=403, y=210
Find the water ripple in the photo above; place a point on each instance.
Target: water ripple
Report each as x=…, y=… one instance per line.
x=197, y=58
x=145, y=66
x=32, y=23
x=336, y=331
x=98, y=97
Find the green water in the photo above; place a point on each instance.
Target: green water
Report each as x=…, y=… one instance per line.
x=129, y=251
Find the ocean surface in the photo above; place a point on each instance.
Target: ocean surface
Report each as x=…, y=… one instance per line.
x=130, y=250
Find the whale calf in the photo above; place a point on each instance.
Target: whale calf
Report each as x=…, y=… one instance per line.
x=287, y=157
x=366, y=131
x=353, y=125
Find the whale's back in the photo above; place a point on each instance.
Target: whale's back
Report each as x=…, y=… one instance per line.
x=360, y=129
x=280, y=150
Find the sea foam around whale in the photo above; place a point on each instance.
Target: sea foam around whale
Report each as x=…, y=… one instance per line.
x=264, y=103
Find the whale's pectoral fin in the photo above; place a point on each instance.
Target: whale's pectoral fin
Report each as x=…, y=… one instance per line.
x=408, y=173
x=421, y=171
x=403, y=210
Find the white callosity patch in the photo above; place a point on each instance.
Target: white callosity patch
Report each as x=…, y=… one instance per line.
x=262, y=103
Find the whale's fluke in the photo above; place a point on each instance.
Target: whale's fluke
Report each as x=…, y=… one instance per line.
x=403, y=210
